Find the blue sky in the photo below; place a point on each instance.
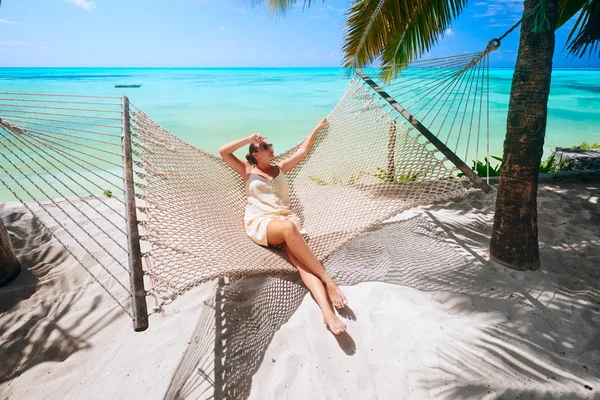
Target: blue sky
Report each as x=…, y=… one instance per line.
x=221, y=33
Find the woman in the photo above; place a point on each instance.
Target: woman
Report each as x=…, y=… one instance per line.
x=270, y=221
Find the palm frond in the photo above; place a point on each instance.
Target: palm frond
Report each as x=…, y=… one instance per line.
x=395, y=32
x=279, y=7
x=585, y=35
x=566, y=10
x=370, y=25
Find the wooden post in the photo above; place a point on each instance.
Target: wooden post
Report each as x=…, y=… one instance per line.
x=136, y=274
x=391, y=167
x=453, y=158
x=9, y=265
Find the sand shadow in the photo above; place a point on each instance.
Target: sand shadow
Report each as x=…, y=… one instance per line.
x=39, y=336
x=43, y=331
x=547, y=335
x=36, y=251
x=422, y=252
x=226, y=350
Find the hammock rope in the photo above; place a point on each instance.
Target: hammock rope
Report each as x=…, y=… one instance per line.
x=374, y=160
x=59, y=194
x=79, y=260
x=50, y=157
x=57, y=220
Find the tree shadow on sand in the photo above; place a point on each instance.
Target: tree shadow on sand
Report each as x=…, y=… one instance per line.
x=429, y=253
x=41, y=330
x=546, y=345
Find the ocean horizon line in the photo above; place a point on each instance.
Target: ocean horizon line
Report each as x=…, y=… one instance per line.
x=246, y=68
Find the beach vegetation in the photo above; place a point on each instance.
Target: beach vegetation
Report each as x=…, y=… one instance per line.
x=587, y=146
x=384, y=176
x=549, y=165
x=395, y=33
x=108, y=193
x=485, y=168
x=379, y=173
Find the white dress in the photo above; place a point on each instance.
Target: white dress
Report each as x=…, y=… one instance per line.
x=268, y=200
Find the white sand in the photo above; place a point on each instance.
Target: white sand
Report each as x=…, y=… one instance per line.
x=431, y=317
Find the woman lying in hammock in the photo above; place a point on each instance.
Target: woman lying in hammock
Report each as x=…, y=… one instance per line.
x=270, y=221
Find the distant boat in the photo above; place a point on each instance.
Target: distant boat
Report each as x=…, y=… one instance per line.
x=128, y=86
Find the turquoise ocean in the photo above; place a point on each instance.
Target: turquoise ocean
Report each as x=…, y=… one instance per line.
x=208, y=107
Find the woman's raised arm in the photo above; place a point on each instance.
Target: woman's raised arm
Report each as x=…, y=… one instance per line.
x=291, y=162
x=226, y=152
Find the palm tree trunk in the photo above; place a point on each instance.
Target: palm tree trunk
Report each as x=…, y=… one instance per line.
x=9, y=265
x=514, y=241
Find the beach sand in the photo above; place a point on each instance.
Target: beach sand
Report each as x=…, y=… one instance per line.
x=430, y=317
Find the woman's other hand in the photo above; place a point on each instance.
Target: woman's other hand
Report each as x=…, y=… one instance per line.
x=322, y=123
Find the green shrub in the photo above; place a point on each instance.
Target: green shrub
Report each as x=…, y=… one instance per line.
x=587, y=146
x=380, y=174
x=481, y=168
x=548, y=166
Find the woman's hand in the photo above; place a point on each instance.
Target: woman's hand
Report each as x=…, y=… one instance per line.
x=256, y=138
x=322, y=123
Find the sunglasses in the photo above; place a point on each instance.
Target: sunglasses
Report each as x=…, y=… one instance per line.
x=265, y=146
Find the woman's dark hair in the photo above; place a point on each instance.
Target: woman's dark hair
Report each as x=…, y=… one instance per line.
x=251, y=150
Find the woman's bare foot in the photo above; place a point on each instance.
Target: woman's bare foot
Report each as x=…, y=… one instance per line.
x=335, y=294
x=334, y=324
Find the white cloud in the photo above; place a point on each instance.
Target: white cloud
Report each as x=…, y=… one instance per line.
x=449, y=32
x=502, y=8
x=5, y=21
x=87, y=5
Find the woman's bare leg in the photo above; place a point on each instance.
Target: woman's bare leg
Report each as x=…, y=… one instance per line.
x=317, y=288
x=280, y=232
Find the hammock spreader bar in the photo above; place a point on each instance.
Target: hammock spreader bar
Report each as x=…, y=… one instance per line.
x=450, y=155
x=136, y=273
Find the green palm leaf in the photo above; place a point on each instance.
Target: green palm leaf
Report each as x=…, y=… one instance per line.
x=279, y=7
x=394, y=33
x=567, y=9
x=585, y=35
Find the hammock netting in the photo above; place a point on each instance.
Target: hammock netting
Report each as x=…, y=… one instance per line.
x=61, y=156
x=364, y=168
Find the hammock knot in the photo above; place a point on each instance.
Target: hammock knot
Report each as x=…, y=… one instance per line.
x=493, y=45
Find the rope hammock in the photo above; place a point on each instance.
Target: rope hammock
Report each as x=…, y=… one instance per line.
x=174, y=216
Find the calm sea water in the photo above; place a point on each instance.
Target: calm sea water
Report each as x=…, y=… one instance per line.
x=209, y=107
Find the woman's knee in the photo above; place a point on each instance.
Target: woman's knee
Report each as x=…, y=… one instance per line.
x=290, y=229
